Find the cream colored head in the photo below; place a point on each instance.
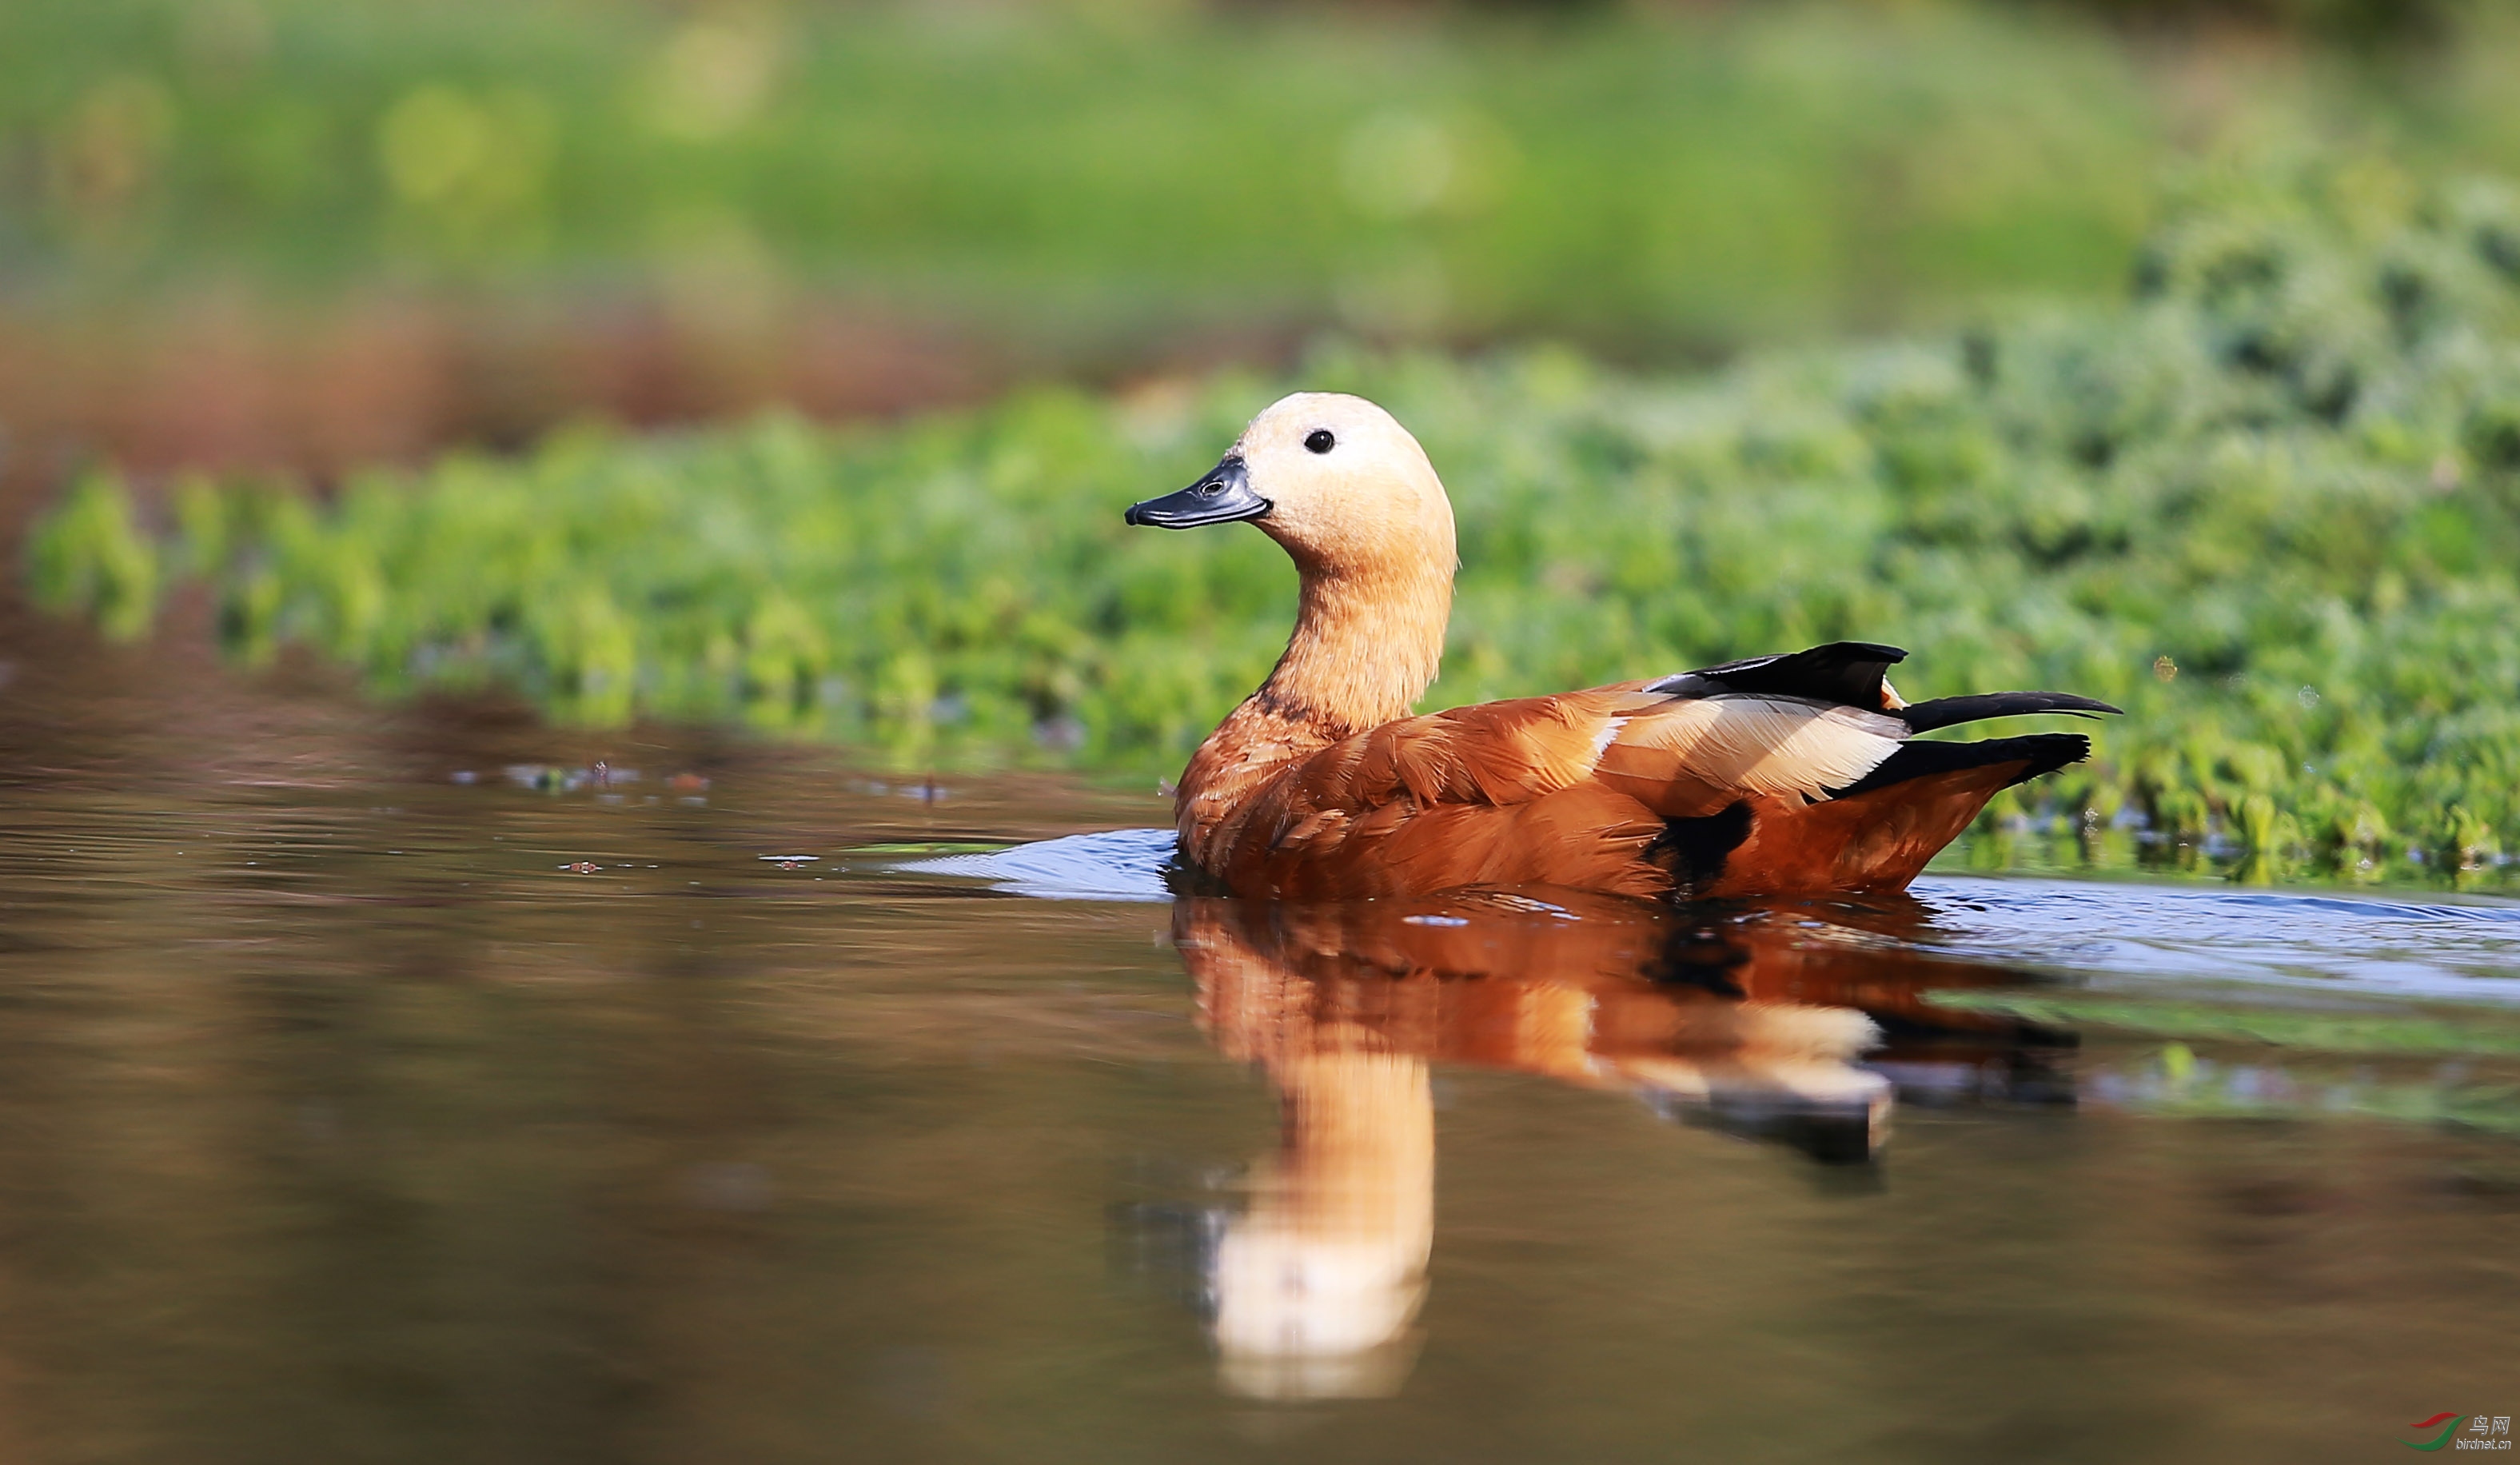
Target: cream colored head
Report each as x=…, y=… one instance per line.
x=1333, y=478
x=1349, y=489
x=1352, y=497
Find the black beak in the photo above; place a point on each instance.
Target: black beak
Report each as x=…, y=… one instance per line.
x=1222, y=497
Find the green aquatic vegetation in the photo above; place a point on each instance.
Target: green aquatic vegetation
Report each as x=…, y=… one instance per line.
x=2270, y=505
x=2177, y=1081
x=94, y=556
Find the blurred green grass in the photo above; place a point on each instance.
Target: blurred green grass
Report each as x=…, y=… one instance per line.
x=2269, y=503
x=1655, y=183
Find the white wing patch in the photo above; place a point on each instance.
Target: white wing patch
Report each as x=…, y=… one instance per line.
x=1765, y=744
x=1608, y=734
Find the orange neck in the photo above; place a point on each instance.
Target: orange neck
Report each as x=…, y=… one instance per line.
x=1366, y=645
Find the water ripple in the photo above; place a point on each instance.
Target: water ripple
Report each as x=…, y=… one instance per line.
x=1119, y=864
x=2466, y=952
x=2372, y=945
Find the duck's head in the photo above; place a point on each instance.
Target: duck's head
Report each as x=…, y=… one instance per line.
x=1333, y=478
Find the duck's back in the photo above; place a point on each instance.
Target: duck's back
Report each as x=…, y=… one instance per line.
x=1783, y=775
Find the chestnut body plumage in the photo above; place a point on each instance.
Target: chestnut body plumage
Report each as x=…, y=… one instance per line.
x=1780, y=775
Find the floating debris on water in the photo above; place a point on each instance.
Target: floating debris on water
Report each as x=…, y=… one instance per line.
x=927, y=790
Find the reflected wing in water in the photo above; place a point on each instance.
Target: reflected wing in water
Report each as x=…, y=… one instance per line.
x=1755, y=1020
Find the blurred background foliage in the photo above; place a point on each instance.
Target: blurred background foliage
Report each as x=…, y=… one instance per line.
x=1098, y=171
x=333, y=230
x=2167, y=351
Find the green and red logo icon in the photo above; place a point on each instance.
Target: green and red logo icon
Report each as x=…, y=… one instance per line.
x=2448, y=1424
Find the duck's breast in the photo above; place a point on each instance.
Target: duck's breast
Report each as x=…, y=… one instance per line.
x=1497, y=794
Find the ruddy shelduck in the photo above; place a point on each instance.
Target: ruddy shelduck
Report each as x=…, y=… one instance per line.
x=1780, y=775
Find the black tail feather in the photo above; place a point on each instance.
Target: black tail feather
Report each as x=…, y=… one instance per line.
x=1951, y=711
x=2039, y=752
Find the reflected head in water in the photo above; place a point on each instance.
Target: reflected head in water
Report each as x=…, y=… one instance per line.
x=1751, y=1021
x=1316, y=1284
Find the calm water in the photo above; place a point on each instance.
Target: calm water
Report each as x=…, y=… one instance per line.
x=377, y=1085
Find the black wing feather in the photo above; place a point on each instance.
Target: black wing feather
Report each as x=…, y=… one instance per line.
x=1845, y=673
x=1849, y=673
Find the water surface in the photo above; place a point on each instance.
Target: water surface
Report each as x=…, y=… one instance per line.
x=397, y=1086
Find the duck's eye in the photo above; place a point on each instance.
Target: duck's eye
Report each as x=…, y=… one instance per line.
x=1320, y=442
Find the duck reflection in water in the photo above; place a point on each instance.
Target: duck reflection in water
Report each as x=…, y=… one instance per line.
x=1752, y=1019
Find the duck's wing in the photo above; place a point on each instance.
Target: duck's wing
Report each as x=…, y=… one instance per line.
x=1811, y=725
x=1562, y=790
x=1573, y=788
x=1768, y=829
x=1682, y=744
